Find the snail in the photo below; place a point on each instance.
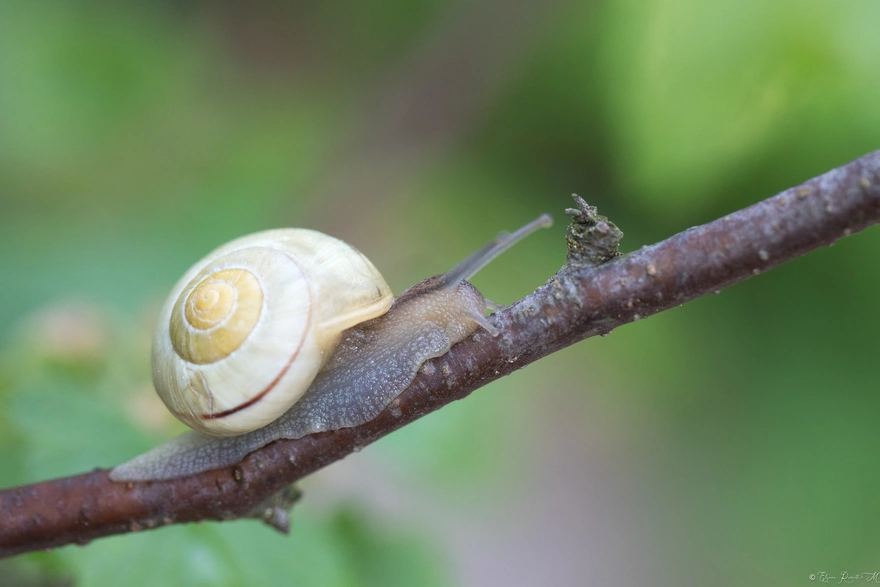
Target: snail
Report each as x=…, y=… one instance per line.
x=289, y=332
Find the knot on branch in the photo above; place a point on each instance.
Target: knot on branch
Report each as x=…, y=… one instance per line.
x=592, y=239
x=275, y=509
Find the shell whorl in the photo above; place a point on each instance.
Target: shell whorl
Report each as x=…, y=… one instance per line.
x=217, y=316
x=246, y=329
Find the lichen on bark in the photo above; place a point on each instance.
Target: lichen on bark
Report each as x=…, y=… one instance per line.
x=592, y=239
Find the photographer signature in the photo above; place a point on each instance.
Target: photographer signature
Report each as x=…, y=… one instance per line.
x=846, y=578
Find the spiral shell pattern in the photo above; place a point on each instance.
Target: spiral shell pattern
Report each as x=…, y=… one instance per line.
x=217, y=317
x=246, y=330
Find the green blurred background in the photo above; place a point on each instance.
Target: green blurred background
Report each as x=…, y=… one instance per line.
x=731, y=441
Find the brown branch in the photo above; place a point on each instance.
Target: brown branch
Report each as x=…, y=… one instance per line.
x=582, y=300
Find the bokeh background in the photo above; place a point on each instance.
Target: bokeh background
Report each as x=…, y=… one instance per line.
x=730, y=441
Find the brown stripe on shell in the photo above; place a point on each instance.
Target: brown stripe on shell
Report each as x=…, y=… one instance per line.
x=262, y=394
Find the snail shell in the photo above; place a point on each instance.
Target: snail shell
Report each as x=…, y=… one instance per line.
x=247, y=328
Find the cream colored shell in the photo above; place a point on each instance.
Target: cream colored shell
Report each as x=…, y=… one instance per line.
x=246, y=329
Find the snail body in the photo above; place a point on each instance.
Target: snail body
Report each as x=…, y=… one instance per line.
x=364, y=366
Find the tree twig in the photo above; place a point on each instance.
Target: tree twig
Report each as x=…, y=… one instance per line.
x=581, y=300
